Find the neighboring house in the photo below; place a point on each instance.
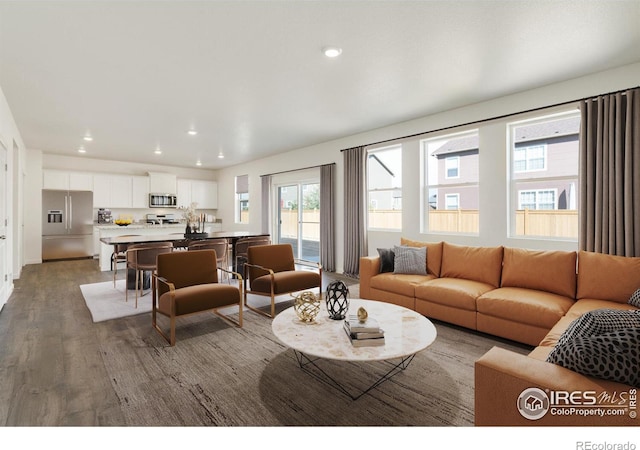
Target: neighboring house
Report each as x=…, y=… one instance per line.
x=385, y=192
x=545, y=155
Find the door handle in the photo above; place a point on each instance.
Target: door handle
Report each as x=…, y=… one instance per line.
x=3, y=237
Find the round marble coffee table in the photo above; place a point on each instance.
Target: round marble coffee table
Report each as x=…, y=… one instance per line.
x=406, y=332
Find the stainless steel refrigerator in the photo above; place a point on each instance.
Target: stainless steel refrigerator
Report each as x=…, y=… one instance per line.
x=67, y=224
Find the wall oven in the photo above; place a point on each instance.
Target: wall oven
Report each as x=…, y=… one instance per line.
x=163, y=201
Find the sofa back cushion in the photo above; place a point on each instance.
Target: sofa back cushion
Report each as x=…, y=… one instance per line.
x=607, y=277
x=483, y=264
x=434, y=254
x=549, y=271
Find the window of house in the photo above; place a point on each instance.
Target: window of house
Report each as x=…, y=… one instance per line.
x=543, y=155
x=384, y=179
x=242, y=199
x=452, y=167
x=451, y=183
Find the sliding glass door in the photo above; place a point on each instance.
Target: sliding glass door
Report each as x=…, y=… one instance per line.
x=299, y=219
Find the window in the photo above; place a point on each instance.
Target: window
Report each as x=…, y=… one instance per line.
x=384, y=178
x=452, y=167
x=242, y=199
x=452, y=201
x=537, y=199
x=451, y=183
x=544, y=176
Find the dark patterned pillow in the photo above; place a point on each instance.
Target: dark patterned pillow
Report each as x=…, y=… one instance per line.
x=610, y=356
x=635, y=299
x=600, y=321
x=386, y=259
x=412, y=260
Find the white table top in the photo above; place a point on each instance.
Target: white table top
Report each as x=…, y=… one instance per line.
x=405, y=331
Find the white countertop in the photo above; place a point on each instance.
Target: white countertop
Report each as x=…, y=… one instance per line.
x=138, y=226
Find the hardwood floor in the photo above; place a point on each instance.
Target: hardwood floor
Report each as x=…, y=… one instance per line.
x=51, y=370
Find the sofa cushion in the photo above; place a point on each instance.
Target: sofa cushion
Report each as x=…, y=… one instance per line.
x=483, y=264
x=403, y=284
x=539, y=308
x=386, y=259
x=611, y=356
x=600, y=321
x=550, y=271
x=607, y=277
x=434, y=254
x=457, y=293
x=635, y=299
x=410, y=260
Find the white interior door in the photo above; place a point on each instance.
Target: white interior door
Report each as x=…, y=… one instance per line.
x=4, y=279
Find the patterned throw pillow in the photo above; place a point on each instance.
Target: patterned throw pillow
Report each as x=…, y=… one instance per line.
x=610, y=356
x=635, y=299
x=386, y=259
x=411, y=260
x=600, y=321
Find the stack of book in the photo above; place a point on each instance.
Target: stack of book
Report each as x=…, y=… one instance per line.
x=363, y=334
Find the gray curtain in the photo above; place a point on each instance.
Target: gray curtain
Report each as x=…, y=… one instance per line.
x=265, y=180
x=355, y=210
x=327, y=217
x=610, y=174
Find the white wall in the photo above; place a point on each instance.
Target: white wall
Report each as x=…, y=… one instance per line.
x=493, y=201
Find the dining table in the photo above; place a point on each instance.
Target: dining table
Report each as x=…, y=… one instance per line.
x=231, y=236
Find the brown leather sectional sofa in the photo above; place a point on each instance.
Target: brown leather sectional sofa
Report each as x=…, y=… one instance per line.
x=528, y=296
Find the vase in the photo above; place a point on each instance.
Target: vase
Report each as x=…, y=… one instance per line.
x=337, y=300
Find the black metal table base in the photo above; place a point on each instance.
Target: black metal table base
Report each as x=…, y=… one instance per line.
x=309, y=366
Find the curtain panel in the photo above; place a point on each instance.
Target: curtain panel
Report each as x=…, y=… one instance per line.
x=610, y=174
x=327, y=217
x=355, y=210
x=265, y=180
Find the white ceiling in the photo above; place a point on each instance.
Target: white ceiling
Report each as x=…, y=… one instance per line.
x=251, y=78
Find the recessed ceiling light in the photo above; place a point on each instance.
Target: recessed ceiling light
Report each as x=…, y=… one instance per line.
x=88, y=138
x=198, y=163
x=332, y=52
x=82, y=150
x=221, y=155
x=157, y=151
x=192, y=132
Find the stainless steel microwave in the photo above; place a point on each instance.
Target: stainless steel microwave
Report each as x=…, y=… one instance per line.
x=163, y=201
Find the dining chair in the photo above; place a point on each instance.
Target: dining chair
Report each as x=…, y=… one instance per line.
x=186, y=283
x=271, y=271
x=142, y=258
x=221, y=246
x=119, y=255
x=241, y=247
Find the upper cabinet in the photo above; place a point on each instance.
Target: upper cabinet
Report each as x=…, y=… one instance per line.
x=67, y=181
x=202, y=192
x=140, y=192
x=114, y=191
x=162, y=183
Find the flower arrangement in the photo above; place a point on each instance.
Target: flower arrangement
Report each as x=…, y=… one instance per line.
x=189, y=213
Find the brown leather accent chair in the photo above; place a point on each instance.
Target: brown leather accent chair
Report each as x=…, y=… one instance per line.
x=142, y=258
x=240, y=250
x=271, y=271
x=186, y=283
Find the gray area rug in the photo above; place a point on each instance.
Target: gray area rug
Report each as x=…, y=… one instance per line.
x=106, y=302
x=225, y=376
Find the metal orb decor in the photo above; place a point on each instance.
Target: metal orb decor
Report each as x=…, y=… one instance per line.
x=337, y=301
x=307, y=306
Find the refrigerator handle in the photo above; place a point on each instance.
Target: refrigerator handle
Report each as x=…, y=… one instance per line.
x=70, y=212
x=66, y=212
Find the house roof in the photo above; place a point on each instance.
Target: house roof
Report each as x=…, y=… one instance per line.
x=457, y=145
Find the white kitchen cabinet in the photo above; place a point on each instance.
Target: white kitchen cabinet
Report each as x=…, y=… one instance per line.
x=112, y=191
x=162, y=183
x=102, y=191
x=64, y=180
x=140, y=192
x=202, y=192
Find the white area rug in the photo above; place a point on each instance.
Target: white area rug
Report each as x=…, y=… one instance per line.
x=106, y=302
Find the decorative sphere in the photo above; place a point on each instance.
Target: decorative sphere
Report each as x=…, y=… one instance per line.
x=337, y=301
x=307, y=306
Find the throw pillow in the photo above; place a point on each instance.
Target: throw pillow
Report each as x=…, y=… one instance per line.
x=610, y=356
x=600, y=321
x=386, y=259
x=410, y=260
x=635, y=299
